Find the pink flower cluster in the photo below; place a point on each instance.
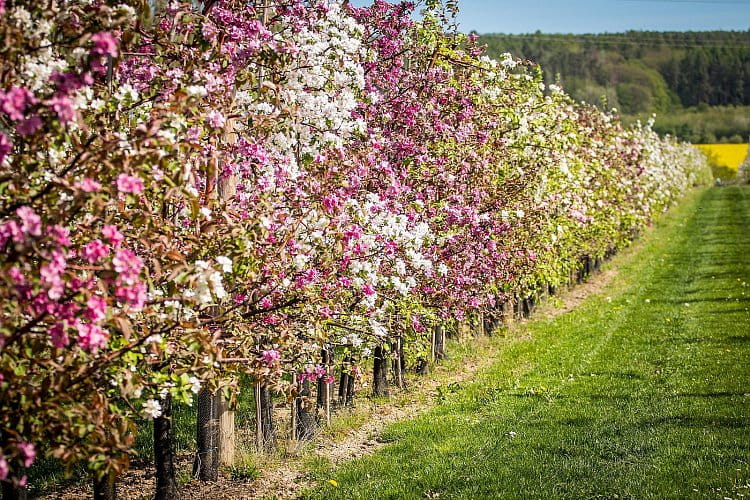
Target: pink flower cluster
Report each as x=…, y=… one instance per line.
x=129, y=184
x=270, y=357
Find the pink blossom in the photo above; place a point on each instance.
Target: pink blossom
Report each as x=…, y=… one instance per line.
x=96, y=309
x=416, y=324
x=14, y=102
x=266, y=303
x=63, y=106
x=128, y=265
x=31, y=223
x=29, y=125
x=325, y=312
x=94, y=251
x=209, y=31
x=5, y=146
x=59, y=336
x=88, y=185
x=331, y=203
x=66, y=83
x=271, y=356
x=11, y=230
x=129, y=184
x=104, y=44
x=51, y=278
x=193, y=134
x=16, y=276
x=60, y=235
x=216, y=119
x=114, y=236
x=28, y=452
x=368, y=289
x=91, y=337
x=3, y=462
x=134, y=296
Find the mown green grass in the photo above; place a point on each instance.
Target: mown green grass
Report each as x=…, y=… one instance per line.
x=642, y=392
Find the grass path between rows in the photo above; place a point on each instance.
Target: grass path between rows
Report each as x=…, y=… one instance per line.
x=641, y=392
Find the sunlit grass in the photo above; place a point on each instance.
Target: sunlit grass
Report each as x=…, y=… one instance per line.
x=641, y=392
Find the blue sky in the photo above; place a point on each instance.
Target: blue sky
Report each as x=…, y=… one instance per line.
x=599, y=16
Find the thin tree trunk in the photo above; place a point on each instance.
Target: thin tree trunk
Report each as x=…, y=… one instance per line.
x=104, y=488
x=397, y=363
x=265, y=404
x=305, y=419
x=439, y=342
x=350, y=390
x=488, y=324
x=12, y=492
x=344, y=391
x=380, y=372
x=206, y=465
x=166, y=479
x=519, y=308
x=325, y=390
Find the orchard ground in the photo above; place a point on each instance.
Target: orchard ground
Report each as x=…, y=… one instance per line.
x=637, y=384
x=643, y=391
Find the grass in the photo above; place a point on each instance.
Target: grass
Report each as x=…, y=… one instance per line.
x=642, y=392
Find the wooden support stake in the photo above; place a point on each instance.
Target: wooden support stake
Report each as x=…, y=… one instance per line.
x=227, y=435
x=258, y=419
x=294, y=410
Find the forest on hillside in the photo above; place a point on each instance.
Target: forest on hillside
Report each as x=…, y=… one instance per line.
x=698, y=83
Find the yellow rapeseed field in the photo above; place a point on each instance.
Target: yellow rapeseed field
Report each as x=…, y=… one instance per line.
x=726, y=155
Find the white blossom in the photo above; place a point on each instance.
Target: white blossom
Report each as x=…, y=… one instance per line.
x=152, y=408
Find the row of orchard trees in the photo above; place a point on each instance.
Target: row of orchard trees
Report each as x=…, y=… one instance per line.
x=196, y=191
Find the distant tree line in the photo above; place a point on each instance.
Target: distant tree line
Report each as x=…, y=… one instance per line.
x=642, y=72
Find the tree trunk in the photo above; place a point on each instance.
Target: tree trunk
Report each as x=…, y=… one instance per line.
x=529, y=303
x=346, y=385
x=104, y=488
x=343, y=382
x=506, y=312
x=519, y=308
x=166, y=478
x=264, y=407
x=305, y=420
x=206, y=465
x=380, y=372
x=488, y=324
x=349, y=400
x=397, y=363
x=439, y=339
x=12, y=492
x=325, y=390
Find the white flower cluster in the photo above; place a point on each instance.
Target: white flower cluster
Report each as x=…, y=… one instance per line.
x=209, y=281
x=313, y=106
x=152, y=409
x=38, y=67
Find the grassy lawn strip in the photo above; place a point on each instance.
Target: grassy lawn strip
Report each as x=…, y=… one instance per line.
x=643, y=391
